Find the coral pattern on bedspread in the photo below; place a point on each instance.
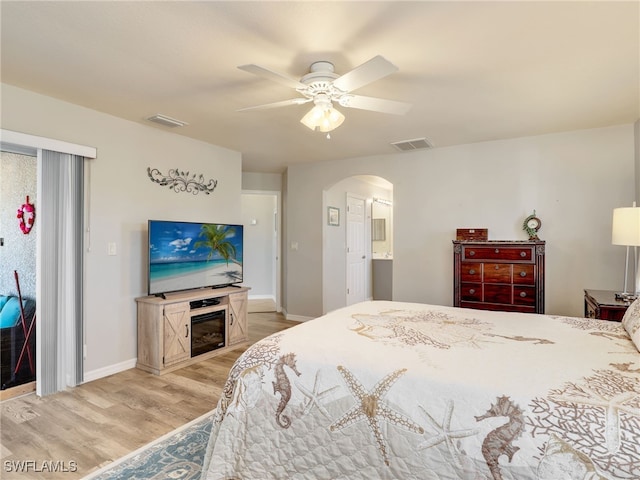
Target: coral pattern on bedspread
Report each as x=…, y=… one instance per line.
x=391, y=390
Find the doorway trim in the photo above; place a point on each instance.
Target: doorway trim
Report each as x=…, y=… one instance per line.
x=277, y=240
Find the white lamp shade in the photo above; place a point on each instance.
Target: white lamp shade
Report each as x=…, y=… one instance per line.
x=323, y=118
x=626, y=226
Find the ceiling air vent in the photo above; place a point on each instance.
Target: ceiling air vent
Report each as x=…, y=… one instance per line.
x=415, y=144
x=166, y=121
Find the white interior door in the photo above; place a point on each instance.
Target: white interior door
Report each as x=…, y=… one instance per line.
x=356, y=249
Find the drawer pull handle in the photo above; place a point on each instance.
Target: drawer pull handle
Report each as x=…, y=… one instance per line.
x=472, y=253
x=472, y=291
x=523, y=274
x=523, y=294
x=523, y=254
x=186, y=333
x=497, y=250
x=496, y=267
x=472, y=272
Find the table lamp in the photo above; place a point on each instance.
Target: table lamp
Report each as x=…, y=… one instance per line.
x=626, y=232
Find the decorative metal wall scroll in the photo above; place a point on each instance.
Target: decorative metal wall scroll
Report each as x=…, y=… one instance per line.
x=182, y=181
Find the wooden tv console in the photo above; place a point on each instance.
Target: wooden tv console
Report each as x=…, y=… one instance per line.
x=164, y=326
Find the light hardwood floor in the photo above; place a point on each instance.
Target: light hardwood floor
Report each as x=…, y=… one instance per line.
x=100, y=421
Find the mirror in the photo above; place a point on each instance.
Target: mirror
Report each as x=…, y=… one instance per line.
x=379, y=233
x=381, y=243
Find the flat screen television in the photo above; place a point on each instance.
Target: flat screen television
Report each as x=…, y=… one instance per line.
x=190, y=255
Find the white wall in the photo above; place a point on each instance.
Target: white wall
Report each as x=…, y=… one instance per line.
x=121, y=200
x=636, y=127
x=573, y=180
x=271, y=182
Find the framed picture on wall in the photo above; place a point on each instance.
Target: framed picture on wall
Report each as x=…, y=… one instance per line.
x=333, y=216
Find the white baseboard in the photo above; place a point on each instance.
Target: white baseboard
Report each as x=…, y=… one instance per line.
x=262, y=297
x=296, y=318
x=110, y=370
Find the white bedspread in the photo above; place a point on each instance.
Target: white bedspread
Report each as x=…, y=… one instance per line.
x=389, y=390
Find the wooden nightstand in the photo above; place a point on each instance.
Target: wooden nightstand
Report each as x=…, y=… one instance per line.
x=602, y=304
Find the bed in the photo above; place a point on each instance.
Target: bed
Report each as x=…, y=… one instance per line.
x=394, y=390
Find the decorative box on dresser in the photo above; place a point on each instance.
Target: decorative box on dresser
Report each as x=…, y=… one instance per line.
x=499, y=275
x=603, y=305
x=166, y=325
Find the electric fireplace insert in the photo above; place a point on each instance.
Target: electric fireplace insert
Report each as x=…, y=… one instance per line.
x=207, y=332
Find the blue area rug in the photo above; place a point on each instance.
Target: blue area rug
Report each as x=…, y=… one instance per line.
x=177, y=455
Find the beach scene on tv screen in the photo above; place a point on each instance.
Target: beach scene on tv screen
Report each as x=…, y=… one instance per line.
x=193, y=255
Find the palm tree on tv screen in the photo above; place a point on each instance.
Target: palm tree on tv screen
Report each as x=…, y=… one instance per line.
x=216, y=240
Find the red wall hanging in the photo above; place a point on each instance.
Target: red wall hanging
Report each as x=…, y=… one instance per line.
x=26, y=216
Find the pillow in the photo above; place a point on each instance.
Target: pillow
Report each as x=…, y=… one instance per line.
x=10, y=313
x=631, y=322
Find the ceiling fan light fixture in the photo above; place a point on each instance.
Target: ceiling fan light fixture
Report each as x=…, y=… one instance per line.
x=324, y=87
x=323, y=118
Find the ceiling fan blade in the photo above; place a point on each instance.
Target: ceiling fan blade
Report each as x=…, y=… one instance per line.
x=283, y=103
x=375, y=104
x=368, y=72
x=271, y=75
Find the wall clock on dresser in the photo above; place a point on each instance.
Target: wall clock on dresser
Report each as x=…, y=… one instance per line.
x=499, y=275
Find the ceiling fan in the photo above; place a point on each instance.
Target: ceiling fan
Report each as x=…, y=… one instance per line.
x=323, y=87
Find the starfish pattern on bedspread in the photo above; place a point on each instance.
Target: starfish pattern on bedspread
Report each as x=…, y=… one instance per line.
x=370, y=407
x=314, y=396
x=445, y=434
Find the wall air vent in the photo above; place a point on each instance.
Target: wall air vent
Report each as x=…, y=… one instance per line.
x=415, y=144
x=166, y=121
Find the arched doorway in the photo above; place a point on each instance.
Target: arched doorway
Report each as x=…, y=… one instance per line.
x=339, y=274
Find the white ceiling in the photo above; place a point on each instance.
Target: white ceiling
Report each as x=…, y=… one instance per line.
x=474, y=71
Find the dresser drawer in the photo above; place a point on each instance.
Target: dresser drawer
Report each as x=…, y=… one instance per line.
x=498, y=307
x=497, y=273
x=474, y=253
x=471, y=292
x=471, y=272
x=524, y=295
x=524, y=274
x=498, y=293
